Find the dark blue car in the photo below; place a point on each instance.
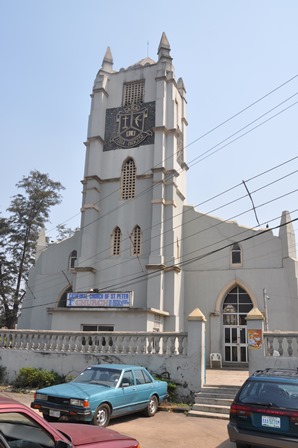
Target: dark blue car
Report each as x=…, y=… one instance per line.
x=102, y=392
x=264, y=413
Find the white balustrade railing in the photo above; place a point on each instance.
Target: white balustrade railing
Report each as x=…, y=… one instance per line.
x=281, y=343
x=169, y=343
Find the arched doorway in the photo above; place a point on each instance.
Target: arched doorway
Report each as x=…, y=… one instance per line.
x=235, y=307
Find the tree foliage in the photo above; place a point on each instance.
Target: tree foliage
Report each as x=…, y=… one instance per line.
x=64, y=232
x=28, y=212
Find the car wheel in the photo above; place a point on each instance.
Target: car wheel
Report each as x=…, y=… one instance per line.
x=241, y=445
x=152, y=406
x=102, y=415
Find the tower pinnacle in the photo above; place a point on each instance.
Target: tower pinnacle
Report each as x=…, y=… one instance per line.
x=164, y=48
x=107, y=63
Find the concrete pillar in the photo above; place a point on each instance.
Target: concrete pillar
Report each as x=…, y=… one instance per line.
x=196, y=346
x=255, y=338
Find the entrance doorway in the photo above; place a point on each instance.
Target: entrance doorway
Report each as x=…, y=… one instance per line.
x=235, y=344
x=234, y=310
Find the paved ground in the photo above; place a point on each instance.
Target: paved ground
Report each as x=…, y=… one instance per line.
x=168, y=429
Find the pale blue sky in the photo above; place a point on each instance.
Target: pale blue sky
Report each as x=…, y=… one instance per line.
x=229, y=53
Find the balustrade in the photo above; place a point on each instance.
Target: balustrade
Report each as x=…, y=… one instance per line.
x=281, y=343
x=169, y=343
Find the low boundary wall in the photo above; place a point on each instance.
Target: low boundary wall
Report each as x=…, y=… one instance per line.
x=179, y=357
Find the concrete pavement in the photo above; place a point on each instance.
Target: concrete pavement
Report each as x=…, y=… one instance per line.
x=226, y=377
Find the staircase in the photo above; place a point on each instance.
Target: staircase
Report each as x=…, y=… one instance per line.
x=213, y=402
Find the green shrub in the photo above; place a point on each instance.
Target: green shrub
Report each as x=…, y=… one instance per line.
x=171, y=387
x=32, y=378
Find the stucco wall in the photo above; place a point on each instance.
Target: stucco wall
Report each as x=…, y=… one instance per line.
x=180, y=369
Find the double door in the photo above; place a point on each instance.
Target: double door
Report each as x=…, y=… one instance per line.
x=235, y=343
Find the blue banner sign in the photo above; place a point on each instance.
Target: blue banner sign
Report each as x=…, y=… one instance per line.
x=101, y=299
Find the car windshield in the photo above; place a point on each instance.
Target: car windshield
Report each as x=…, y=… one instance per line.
x=99, y=375
x=267, y=393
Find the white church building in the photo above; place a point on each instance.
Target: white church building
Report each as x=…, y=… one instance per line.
x=143, y=259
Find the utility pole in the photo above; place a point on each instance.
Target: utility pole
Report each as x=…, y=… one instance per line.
x=265, y=298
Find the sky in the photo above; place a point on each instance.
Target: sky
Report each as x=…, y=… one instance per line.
x=238, y=60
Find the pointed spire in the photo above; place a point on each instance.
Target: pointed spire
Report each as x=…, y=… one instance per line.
x=287, y=235
x=107, y=63
x=164, y=48
x=41, y=242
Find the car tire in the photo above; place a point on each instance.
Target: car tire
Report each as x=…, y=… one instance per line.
x=102, y=415
x=152, y=406
x=241, y=445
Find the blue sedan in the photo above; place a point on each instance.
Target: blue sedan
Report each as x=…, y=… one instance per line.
x=102, y=392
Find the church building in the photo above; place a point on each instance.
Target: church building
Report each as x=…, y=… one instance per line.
x=143, y=259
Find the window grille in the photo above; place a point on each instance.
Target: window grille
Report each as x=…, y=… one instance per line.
x=133, y=92
x=116, y=241
x=128, y=179
x=136, y=241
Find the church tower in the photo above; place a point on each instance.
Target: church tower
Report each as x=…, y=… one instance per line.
x=133, y=196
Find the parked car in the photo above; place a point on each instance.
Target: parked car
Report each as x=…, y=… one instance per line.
x=102, y=392
x=264, y=412
x=20, y=427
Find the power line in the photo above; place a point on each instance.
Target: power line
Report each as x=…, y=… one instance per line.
x=181, y=264
x=213, y=210
x=216, y=127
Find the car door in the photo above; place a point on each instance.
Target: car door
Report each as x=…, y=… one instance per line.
x=126, y=395
x=144, y=388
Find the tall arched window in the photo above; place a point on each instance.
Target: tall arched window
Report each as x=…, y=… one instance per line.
x=116, y=241
x=128, y=179
x=236, y=306
x=236, y=254
x=72, y=259
x=136, y=241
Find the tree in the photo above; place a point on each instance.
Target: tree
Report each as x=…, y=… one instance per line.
x=64, y=232
x=18, y=237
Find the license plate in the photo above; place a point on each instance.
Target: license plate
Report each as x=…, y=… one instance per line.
x=54, y=413
x=271, y=422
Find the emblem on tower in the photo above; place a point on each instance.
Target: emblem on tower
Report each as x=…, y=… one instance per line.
x=131, y=126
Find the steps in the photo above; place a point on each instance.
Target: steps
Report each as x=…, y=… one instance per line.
x=213, y=402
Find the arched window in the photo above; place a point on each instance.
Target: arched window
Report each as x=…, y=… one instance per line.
x=116, y=240
x=236, y=254
x=72, y=259
x=135, y=239
x=128, y=179
x=236, y=306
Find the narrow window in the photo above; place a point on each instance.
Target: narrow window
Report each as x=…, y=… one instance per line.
x=116, y=240
x=136, y=241
x=128, y=179
x=72, y=259
x=236, y=254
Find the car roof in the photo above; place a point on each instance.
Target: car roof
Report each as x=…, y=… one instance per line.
x=116, y=366
x=275, y=374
